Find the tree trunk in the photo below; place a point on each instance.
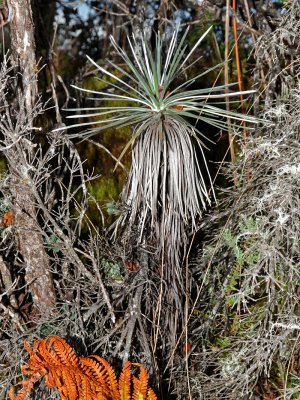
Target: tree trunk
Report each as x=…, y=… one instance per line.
x=29, y=238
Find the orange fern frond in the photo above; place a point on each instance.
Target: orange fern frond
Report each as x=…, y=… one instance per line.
x=27, y=387
x=151, y=395
x=140, y=384
x=65, y=384
x=79, y=378
x=125, y=382
x=63, y=351
x=96, y=371
x=109, y=376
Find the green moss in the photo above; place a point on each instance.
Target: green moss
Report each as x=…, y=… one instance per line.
x=105, y=188
x=3, y=166
x=108, y=186
x=95, y=83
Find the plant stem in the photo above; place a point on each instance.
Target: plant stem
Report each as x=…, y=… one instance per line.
x=226, y=77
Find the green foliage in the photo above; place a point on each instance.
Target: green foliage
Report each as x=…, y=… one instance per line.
x=243, y=245
x=243, y=242
x=222, y=342
x=293, y=383
x=53, y=242
x=48, y=329
x=112, y=208
x=112, y=270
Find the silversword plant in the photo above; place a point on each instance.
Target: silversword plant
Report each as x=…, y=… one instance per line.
x=165, y=184
x=168, y=186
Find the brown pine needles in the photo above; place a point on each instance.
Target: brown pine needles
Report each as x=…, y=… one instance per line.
x=80, y=378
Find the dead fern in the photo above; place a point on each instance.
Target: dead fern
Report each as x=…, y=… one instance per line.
x=80, y=378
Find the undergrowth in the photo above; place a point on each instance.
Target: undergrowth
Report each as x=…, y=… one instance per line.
x=245, y=324
x=243, y=337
